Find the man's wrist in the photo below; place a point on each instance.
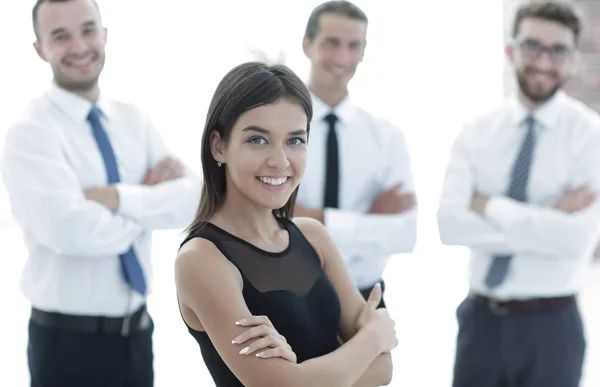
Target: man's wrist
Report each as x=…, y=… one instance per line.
x=106, y=196
x=115, y=199
x=479, y=203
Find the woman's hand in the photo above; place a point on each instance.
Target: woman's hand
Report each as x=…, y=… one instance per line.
x=367, y=312
x=379, y=319
x=269, y=342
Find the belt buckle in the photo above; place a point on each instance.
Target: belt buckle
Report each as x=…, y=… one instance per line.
x=497, y=309
x=126, y=326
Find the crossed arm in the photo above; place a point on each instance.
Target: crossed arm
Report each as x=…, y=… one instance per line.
x=48, y=202
x=501, y=225
x=390, y=225
x=166, y=198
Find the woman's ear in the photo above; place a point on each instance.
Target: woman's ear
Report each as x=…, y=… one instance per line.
x=217, y=147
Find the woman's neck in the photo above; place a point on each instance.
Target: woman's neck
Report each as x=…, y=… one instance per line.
x=246, y=218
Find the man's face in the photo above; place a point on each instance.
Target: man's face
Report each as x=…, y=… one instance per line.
x=336, y=50
x=544, y=55
x=72, y=40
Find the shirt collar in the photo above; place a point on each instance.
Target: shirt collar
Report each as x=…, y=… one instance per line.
x=343, y=110
x=546, y=115
x=74, y=106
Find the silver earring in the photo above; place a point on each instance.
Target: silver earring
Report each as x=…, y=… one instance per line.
x=219, y=164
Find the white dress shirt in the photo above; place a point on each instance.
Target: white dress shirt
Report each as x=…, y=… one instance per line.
x=373, y=157
x=551, y=249
x=49, y=158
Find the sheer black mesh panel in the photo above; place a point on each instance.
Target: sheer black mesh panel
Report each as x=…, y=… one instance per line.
x=294, y=270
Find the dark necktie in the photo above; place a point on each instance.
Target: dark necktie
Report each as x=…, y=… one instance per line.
x=517, y=191
x=332, y=165
x=130, y=264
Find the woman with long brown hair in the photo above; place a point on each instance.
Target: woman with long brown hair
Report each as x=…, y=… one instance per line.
x=255, y=285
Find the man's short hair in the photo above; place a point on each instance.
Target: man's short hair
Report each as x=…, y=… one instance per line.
x=556, y=11
x=36, y=10
x=343, y=8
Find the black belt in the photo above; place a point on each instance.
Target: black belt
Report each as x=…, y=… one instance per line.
x=523, y=306
x=137, y=321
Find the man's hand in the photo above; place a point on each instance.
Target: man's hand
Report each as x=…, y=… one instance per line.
x=393, y=201
x=575, y=200
x=302, y=211
x=166, y=169
x=106, y=196
x=478, y=202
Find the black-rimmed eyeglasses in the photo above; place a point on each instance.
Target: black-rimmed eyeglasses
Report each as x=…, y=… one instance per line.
x=532, y=49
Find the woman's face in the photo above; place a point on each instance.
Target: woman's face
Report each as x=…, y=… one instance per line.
x=265, y=156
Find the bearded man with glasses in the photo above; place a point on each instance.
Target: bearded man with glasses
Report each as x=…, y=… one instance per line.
x=520, y=193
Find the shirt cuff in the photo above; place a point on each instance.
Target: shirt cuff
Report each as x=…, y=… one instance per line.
x=131, y=199
x=501, y=211
x=339, y=224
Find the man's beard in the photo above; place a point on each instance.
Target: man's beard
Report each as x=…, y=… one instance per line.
x=81, y=86
x=75, y=87
x=533, y=95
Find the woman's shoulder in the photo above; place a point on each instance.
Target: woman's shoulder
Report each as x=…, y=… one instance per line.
x=314, y=232
x=309, y=226
x=199, y=254
x=200, y=241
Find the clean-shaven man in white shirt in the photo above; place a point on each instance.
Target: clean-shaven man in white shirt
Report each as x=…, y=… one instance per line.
x=358, y=178
x=520, y=192
x=89, y=178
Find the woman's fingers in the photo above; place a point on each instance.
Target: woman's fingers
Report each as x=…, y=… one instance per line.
x=251, y=333
x=282, y=352
x=254, y=320
x=265, y=342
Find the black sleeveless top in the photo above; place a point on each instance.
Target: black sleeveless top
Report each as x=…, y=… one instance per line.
x=288, y=287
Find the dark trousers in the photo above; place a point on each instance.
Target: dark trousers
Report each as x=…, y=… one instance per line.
x=542, y=348
x=367, y=291
x=68, y=358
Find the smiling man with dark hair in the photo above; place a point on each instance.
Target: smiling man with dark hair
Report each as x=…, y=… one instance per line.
x=358, y=180
x=88, y=178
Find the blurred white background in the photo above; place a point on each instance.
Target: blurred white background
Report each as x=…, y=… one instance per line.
x=429, y=66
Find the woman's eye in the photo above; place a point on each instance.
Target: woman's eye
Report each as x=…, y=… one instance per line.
x=257, y=141
x=297, y=141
